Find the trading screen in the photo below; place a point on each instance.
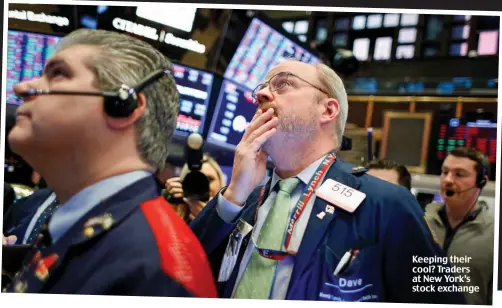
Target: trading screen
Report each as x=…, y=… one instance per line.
x=261, y=49
x=194, y=87
x=235, y=109
x=480, y=135
x=27, y=54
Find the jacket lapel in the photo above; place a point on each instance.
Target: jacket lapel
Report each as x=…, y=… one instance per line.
x=317, y=227
x=44, y=261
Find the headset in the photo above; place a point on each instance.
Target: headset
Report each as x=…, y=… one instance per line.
x=481, y=178
x=119, y=103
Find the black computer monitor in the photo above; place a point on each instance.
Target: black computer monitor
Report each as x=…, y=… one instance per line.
x=233, y=111
x=195, y=88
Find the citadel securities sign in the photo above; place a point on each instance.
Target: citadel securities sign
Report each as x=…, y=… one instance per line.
x=152, y=33
x=39, y=17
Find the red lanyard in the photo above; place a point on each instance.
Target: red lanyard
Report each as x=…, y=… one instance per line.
x=298, y=210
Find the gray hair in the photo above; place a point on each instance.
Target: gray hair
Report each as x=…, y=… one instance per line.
x=333, y=84
x=123, y=59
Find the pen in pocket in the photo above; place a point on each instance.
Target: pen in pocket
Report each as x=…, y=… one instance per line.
x=347, y=258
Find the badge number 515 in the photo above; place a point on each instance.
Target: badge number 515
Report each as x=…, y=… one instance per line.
x=340, y=195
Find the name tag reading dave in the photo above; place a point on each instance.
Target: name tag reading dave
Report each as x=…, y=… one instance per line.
x=340, y=195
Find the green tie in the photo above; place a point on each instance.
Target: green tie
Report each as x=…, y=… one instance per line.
x=259, y=274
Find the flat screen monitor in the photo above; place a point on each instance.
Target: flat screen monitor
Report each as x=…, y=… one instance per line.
x=261, y=48
x=194, y=87
x=234, y=110
x=480, y=135
x=451, y=136
x=477, y=134
x=27, y=54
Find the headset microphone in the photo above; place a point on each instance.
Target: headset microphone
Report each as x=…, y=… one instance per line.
x=120, y=103
x=450, y=192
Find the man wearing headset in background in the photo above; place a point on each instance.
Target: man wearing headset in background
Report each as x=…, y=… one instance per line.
x=464, y=227
x=105, y=229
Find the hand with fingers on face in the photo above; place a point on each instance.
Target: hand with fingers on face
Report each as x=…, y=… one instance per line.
x=250, y=161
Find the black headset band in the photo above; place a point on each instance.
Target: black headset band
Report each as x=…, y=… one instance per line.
x=151, y=78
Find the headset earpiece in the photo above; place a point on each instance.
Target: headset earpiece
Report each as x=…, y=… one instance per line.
x=126, y=100
x=481, y=180
x=123, y=104
x=482, y=183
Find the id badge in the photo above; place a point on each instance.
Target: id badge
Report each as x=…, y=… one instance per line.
x=232, y=250
x=340, y=195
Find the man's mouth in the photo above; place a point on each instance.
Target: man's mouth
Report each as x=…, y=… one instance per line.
x=449, y=191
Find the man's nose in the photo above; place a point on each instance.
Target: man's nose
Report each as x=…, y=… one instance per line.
x=448, y=178
x=21, y=88
x=264, y=95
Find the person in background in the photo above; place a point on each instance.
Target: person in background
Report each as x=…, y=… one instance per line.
x=103, y=228
x=319, y=229
x=463, y=225
x=390, y=171
x=191, y=208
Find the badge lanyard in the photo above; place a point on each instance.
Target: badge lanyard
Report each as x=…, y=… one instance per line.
x=297, y=212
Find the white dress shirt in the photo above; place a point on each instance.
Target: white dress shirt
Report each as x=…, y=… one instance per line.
x=229, y=211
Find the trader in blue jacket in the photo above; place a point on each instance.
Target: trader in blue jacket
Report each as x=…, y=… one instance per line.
x=319, y=229
x=102, y=228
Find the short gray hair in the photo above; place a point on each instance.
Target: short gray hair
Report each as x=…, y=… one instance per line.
x=123, y=59
x=333, y=84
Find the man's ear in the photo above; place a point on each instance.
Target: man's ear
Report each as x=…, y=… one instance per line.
x=121, y=123
x=331, y=111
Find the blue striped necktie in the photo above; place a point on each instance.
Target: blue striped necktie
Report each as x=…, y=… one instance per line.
x=42, y=222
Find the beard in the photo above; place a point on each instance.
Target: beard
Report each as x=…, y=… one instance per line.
x=292, y=131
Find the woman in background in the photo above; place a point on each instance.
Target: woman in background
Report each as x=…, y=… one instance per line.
x=190, y=208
